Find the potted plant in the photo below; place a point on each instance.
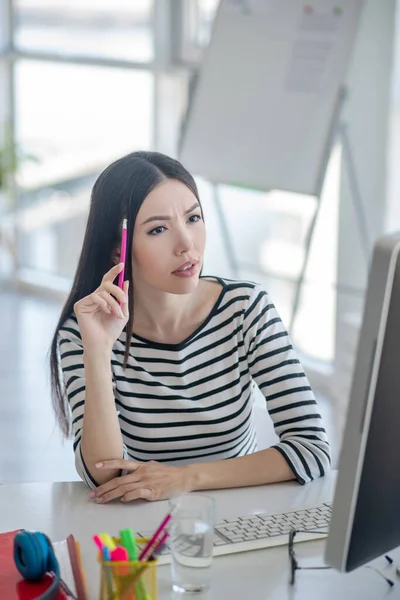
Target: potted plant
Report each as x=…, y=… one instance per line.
x=12, y=156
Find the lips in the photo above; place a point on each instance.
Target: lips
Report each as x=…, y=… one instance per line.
x=186, y=266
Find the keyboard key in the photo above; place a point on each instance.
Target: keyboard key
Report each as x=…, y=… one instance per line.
x=219, y=542
x=267, y=519
x=321, y=523
x=237, y=538
x=221, y=530
x=285, y=530
x=309, y=525
x=273, y=532
x=280, y=519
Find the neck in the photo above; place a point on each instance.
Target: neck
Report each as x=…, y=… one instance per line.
x=162, y=313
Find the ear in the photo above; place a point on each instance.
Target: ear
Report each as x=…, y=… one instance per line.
x=116, y=254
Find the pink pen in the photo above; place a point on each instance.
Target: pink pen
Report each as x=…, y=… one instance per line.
x=150, y=545
x=159, y=546
x=123, y=253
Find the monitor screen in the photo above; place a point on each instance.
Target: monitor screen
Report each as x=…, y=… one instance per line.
x=365, y=515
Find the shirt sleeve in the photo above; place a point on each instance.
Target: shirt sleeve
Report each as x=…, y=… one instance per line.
x=70, y=350
x=275, y=368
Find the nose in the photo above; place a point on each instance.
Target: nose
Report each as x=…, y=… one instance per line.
x=184, y=241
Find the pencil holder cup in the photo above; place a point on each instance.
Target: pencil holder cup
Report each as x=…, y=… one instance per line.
x=129, y=580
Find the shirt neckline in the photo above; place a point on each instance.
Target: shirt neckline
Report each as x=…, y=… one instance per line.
x=182, y=344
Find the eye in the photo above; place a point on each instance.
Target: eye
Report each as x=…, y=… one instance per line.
x=157, y=230
x=194, y=218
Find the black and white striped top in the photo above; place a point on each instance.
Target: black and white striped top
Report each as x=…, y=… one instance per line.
x=192, y=401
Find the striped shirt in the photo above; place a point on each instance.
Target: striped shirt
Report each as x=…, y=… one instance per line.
x=192, y=401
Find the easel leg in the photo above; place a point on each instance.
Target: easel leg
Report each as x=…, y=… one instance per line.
x=318, y=194
x=355, y=193
x=366, y=243
x=300, y=280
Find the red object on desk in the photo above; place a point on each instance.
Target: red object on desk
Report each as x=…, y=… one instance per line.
x=12, y=585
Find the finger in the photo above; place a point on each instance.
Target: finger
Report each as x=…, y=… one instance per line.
x=105, y=487
x=119, y=463
x=101, y=302
x=117, y=492
x=112, y=303
x=141, y=493
x=109, y=486
x=112, y=273
x=114, y=290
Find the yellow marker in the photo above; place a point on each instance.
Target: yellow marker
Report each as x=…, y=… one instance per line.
x=107, y=541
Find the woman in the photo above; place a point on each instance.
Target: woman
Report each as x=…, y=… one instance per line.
x=158, y=378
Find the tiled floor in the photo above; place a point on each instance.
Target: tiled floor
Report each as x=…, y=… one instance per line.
x=31, y=448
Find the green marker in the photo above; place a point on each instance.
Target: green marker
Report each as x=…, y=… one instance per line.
x=127, y=538
x=128, y=541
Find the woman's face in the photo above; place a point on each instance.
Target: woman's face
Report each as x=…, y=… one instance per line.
x=169, y=239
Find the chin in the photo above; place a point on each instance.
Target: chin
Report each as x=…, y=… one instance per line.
x=185, y=287
x=181, y=286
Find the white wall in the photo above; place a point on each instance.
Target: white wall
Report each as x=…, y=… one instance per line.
x=367, y=115
x=392, y=222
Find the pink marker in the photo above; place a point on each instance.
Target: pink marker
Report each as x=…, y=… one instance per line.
x=98, y=542
x=123, y=253
x=144, y=554
x=120, y=554
x=159, y=546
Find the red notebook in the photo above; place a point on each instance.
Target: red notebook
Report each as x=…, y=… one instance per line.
x=12, y=585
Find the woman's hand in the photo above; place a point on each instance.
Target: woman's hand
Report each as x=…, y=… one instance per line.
x=101, y=320
x=149, y=481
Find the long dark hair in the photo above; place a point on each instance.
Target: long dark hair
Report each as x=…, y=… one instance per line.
x=118, y=193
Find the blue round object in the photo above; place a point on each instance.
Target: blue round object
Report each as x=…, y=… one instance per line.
x=34, y=557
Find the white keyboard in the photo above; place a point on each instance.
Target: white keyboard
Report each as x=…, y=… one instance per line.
x=253, y=532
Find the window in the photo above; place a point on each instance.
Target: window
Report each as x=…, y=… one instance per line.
x=76, y=119
x=121, y=29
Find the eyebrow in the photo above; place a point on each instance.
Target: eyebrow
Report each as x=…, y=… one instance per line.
x=166, y=218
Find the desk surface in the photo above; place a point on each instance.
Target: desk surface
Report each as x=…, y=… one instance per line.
x=59, y=509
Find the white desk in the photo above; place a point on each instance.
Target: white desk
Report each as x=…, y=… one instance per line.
x=62, y=508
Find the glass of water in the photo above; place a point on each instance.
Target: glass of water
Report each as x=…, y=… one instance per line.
x=191, y=542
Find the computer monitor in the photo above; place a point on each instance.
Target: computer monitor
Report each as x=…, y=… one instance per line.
x=366, y=510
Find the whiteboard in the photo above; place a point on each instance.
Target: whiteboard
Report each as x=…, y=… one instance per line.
x=264, y=104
